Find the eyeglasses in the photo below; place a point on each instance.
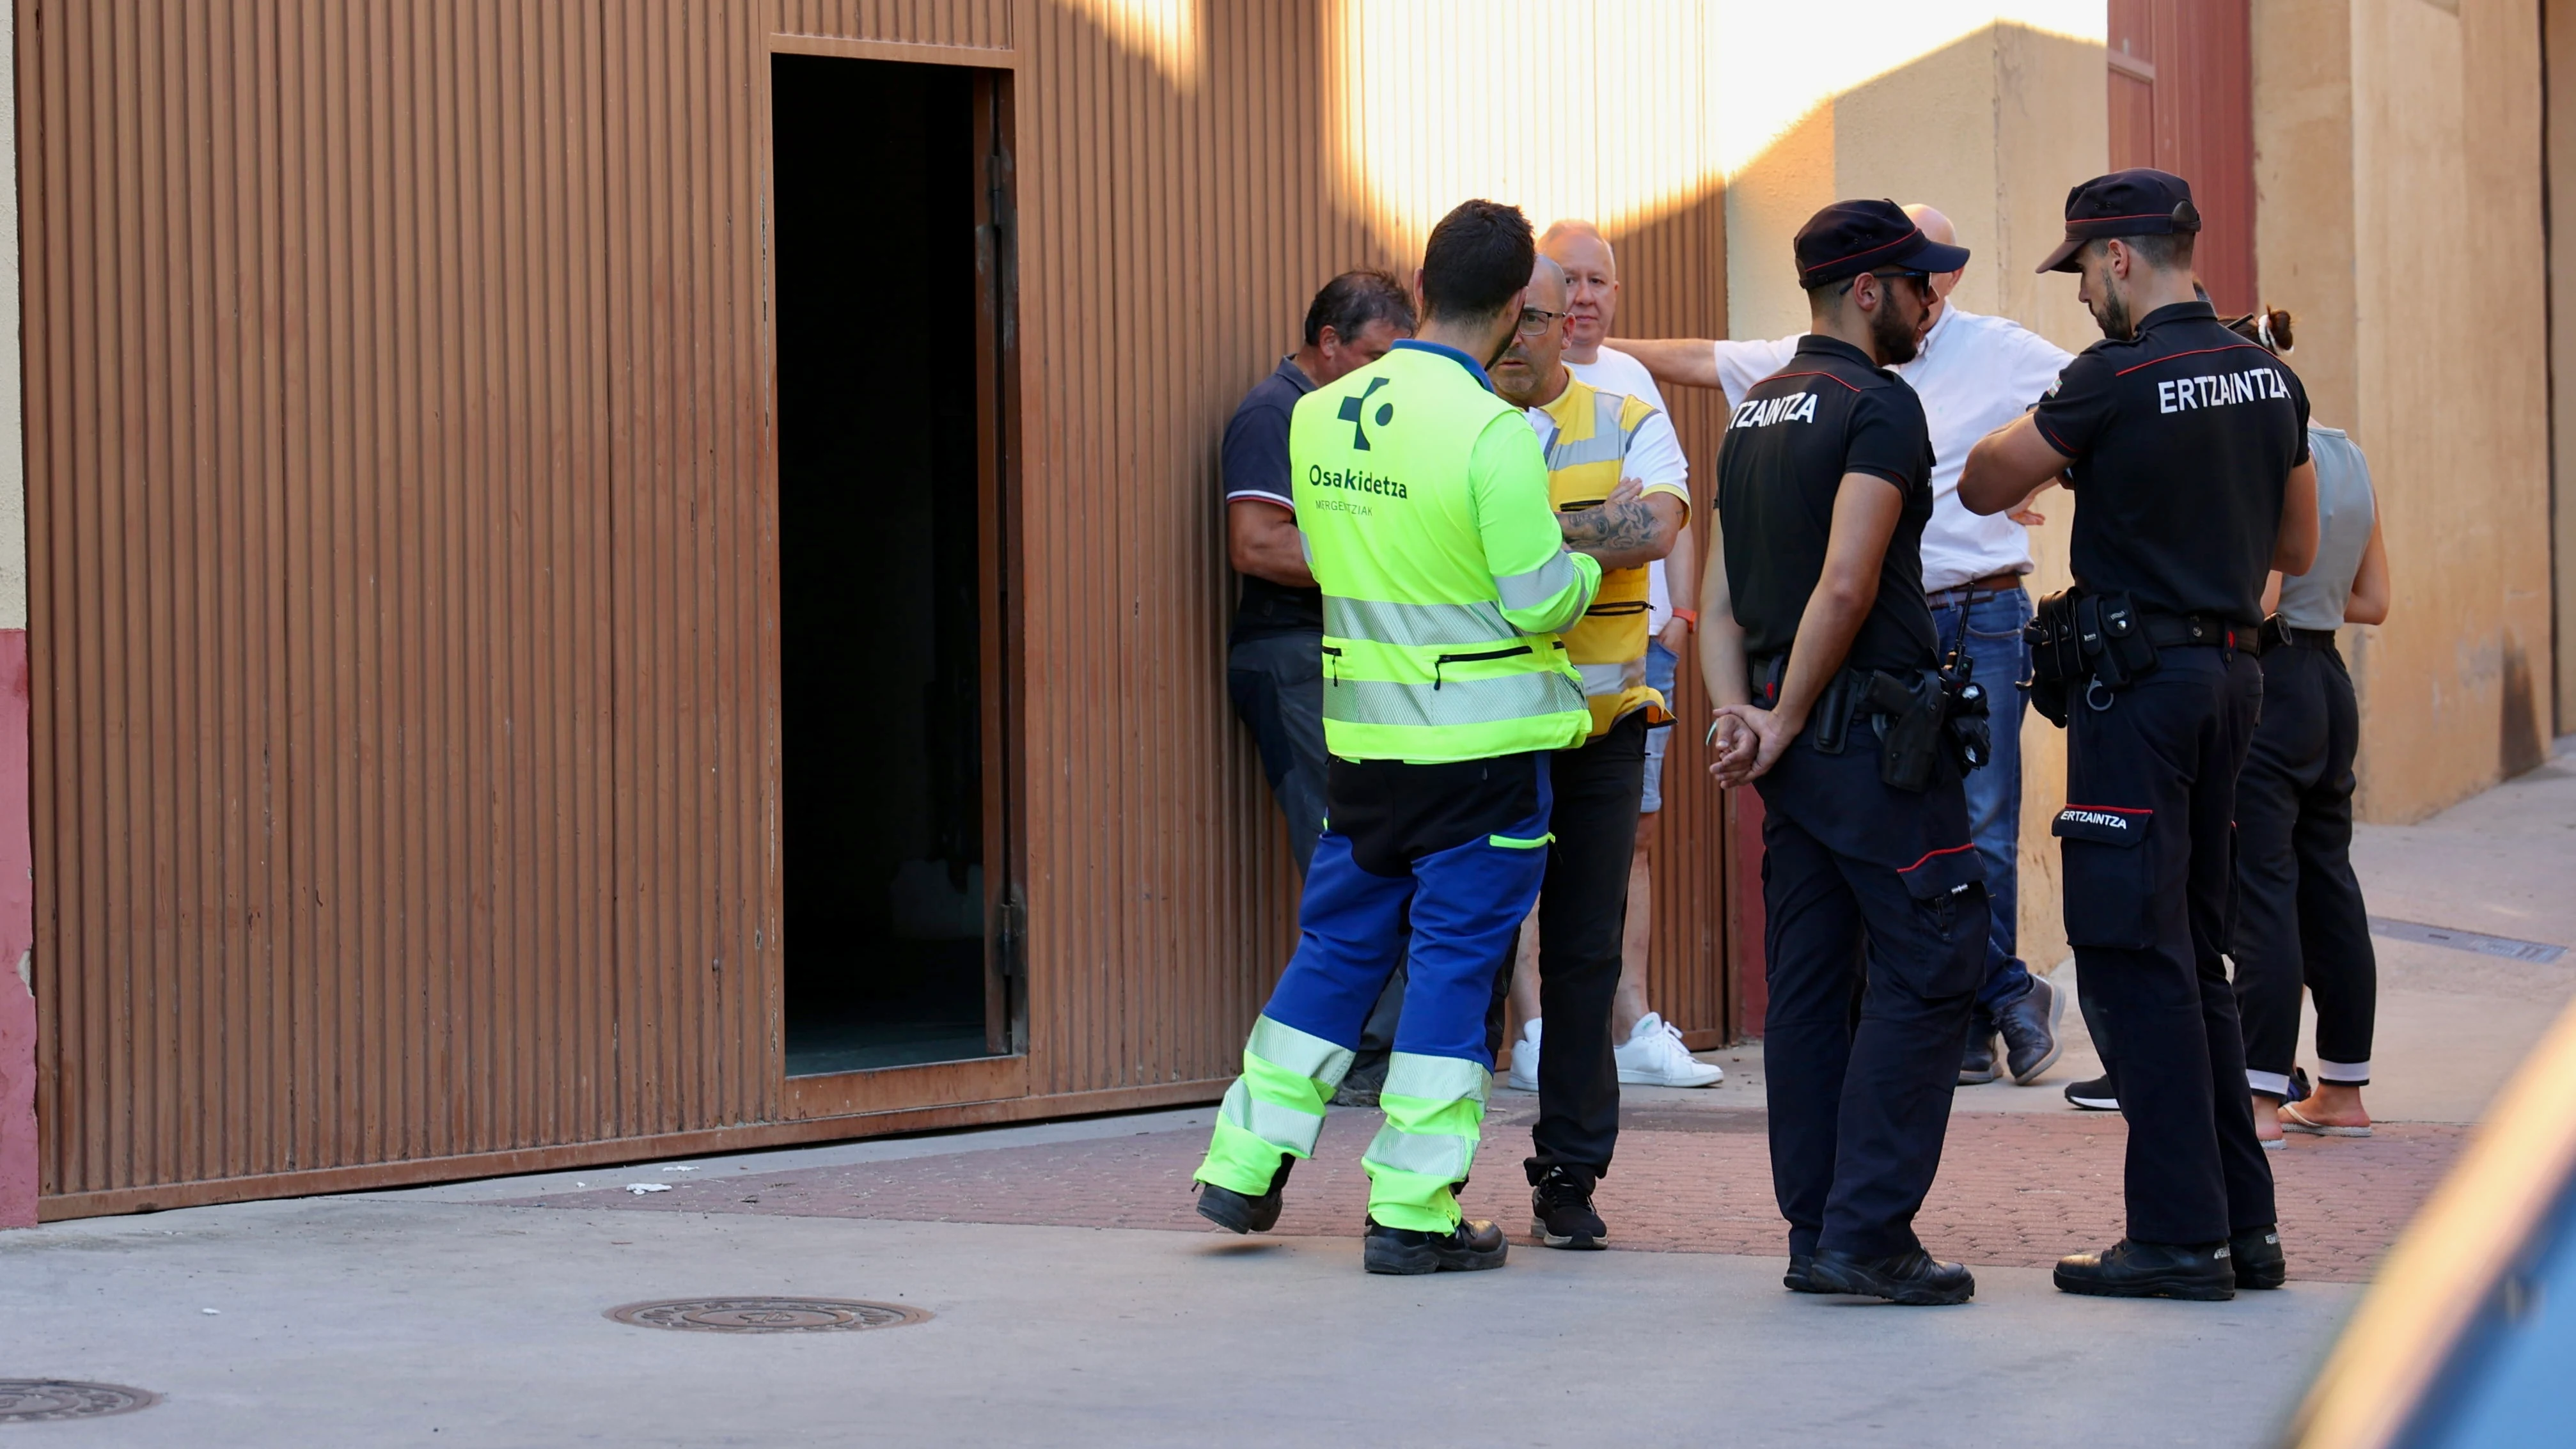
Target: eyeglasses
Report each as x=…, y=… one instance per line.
x=1921, y=280
x=1535, y=320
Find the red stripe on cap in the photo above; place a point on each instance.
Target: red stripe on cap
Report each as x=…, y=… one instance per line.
x=2133, y=216
x=1913, y=235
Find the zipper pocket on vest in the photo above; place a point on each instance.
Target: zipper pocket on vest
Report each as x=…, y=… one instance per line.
x=1613, y=610
x=1446, y=660
x=1334, y=654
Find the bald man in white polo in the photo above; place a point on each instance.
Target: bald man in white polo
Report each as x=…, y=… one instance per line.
x=1974, y=374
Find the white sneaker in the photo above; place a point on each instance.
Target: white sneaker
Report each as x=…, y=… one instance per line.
x=1523, y=1077
x=1653, y=1056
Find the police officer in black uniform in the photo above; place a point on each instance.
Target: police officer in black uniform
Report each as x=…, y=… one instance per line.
x=1820, y=653
x=2186, y=447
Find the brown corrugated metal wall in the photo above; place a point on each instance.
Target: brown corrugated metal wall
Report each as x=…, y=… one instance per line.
x=402, y=537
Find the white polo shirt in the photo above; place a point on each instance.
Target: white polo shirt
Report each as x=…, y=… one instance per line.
x=1975, y=374
x=1616, y=371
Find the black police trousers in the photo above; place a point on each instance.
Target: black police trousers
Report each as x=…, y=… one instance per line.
x=2145, y=841
x=2299, y=915
x=1582, y=921
x=1873, y=898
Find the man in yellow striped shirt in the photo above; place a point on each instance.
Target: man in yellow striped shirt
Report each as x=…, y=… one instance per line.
x=1593, y=440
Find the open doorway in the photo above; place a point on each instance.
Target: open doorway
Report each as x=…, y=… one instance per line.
x=885, y=487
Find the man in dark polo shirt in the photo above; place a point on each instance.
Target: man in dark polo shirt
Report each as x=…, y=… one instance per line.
x=1274, y=664
x=2186, y=447
x=1819, y=650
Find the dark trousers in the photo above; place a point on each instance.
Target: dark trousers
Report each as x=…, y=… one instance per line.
x=1988, y=629
x=2300, y=919
x=1277, y=681
x=2145, y=840
x=1860, y=1102
x=1582, y=919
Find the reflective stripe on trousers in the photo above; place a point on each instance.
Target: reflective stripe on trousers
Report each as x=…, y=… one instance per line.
x=1435, y=1112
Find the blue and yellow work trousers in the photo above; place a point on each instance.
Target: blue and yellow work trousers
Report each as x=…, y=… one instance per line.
x=1438, y=862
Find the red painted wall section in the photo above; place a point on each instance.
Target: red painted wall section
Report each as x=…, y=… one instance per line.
x=17, y=935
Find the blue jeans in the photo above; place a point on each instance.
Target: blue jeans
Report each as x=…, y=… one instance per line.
x=1990, y=626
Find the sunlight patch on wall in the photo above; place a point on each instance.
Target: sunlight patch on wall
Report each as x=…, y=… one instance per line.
x=1593, y=108
x=1165, y=32
x=1619, y=110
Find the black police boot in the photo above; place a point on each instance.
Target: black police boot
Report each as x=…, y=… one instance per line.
x=2029, y=1025
x=2094, y=1096
x=1463, y=1249
x=1915, y=1278
x=2203, y=1272
x=1796, y=1279
x=1977, y=1063
x=1237, y=1213
x=1561, y=1214
x=2256, y=1252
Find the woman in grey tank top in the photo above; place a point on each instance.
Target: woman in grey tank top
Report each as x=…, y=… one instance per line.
x=2300, y=921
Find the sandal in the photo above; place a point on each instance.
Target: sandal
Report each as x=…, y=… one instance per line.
x=2294, y=1120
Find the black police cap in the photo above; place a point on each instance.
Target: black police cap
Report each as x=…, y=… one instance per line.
x=2140, y=201
x=1851, y=237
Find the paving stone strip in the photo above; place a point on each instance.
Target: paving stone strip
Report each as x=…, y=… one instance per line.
x=2016, y=1189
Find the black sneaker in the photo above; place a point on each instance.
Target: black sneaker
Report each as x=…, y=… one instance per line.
x=2256, y=1252
x=1796, y=1279
x=1915, y=1278
x=1561, y=1214
x=2029, y=1026
x=1238, y=1213
x=2095, y=1095
x=1977, y=1063
x=1466, y=1248
x=2202, y=1272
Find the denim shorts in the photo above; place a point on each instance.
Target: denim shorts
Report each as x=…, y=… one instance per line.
x=1661, y=666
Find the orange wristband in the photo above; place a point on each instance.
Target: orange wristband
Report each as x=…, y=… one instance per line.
x=1688, y=616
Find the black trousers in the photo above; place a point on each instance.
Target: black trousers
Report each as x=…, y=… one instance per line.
x=2145, y=839
x=1876, y=897
x=1582, y=921
x=2300, y=919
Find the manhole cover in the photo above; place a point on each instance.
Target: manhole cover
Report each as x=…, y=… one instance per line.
x=768, y=1315
x=34, y=1401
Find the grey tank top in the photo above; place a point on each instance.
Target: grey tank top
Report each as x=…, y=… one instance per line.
x=2345, y=508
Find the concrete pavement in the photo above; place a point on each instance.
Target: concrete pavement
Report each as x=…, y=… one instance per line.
x=472, y=1313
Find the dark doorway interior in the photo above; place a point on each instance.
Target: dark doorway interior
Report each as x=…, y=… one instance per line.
x=880, y=502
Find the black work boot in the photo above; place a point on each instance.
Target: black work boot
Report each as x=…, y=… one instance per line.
x=2029, y=1025
x=1915, y=1278
x=2203, y=1272
x=1235, y=1212
x=2256, y=1252
x=1977, y=1063
x=1463, y=1249
x=1561, y=1214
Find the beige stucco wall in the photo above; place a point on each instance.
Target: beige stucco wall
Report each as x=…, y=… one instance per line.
x=1992, y=128
x=2398, y=166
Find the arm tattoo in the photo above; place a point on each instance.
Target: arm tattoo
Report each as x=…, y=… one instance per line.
x=1614, y=528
